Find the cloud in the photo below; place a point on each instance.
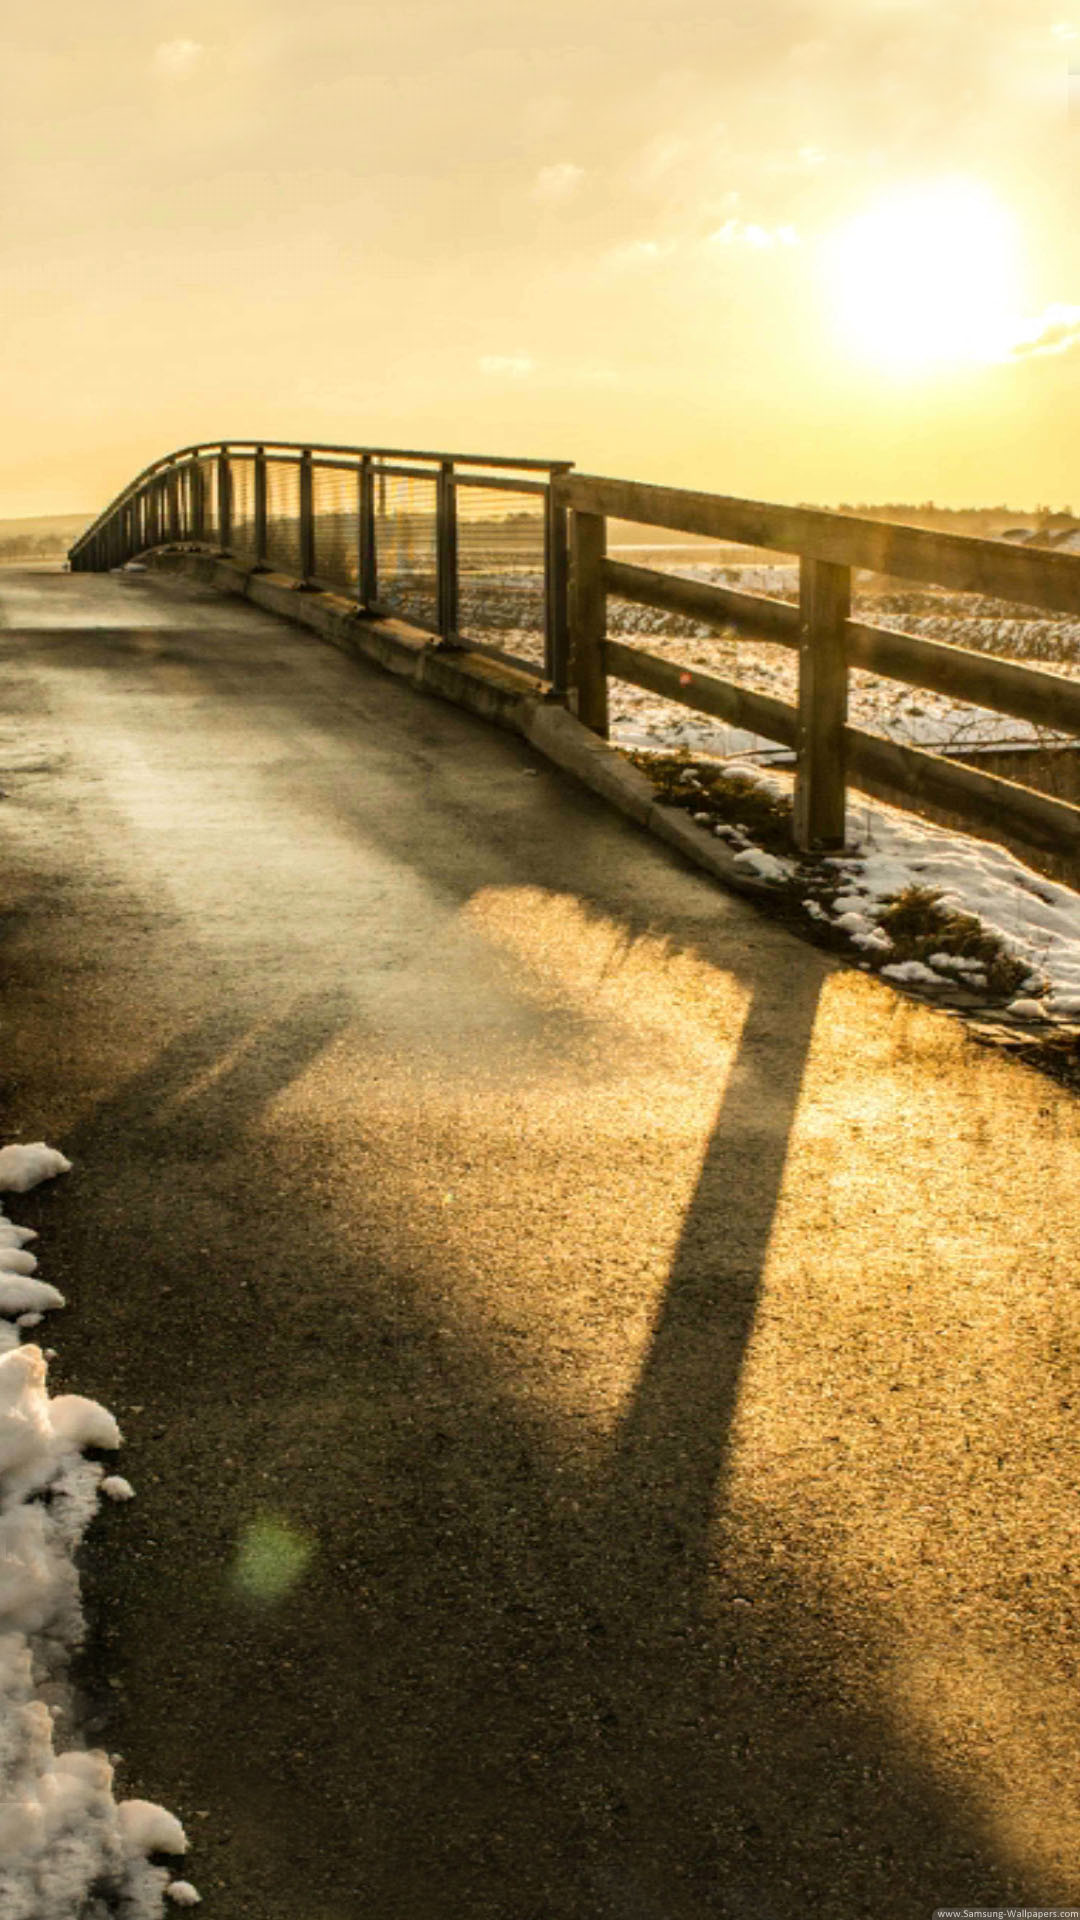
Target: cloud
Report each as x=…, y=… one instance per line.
x=1055, y=330
x=175, y=58
x=506, y=366
x=747, y=233
x=557, y=183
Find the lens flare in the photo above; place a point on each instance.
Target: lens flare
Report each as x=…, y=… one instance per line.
x=271, y=1557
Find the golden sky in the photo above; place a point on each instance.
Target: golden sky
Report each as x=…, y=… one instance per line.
x=794, y=249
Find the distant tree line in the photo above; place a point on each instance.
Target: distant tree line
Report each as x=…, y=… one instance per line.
x=33, y=546
x=951, y=513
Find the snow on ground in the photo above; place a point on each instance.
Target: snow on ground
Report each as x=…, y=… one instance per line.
x=68, y=1849
x=1036, y=920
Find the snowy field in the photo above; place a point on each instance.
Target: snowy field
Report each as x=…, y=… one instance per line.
x=68, y=1849
x=506, y=610
x=910, y=715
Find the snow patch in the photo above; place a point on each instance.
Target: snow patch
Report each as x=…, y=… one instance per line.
x=765, y=865
x=115, y=1487
x=19, y=1294
x=911, y=973
x=146, y=1828
x=23, y=1167
x=78, y=1422
x=66, y=1847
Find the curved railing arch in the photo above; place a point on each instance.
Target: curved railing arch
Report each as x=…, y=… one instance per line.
x=463, y=545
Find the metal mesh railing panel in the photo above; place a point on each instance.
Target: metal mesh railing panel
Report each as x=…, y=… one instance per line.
x=405, y=546
x=283, y=516
x=500, y=540
x=336, y=516
x=242, y=525
x=208, y=469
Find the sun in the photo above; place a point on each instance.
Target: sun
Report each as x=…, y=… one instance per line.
x=927, y=277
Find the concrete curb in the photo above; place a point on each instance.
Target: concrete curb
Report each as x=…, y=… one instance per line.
x=513, y=699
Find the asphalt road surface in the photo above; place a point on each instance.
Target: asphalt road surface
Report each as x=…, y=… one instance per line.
x=600, y=1378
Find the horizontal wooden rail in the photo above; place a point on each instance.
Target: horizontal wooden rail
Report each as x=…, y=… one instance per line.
x=757, y=712
x=1042, y=579
x=1005, y=686
x=912, y=777
x=754, y=613
x=830, y=754
x=499, y=485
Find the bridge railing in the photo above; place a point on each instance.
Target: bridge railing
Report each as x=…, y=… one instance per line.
x=510, y=557
x=467, y=547
x=829, y=754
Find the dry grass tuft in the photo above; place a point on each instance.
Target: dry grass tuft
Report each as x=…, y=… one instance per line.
x=919, y=924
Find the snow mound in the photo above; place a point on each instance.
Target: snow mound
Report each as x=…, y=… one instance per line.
x=20, y=1294
x=765, y=865
x=13, y=1236
x=83, y=1423
x=912, y=973
x=115, y=1487
x=23, y=1167
x=16, y=1260
x=146, y=1828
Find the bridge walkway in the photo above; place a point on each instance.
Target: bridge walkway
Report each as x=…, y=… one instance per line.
x=599, y=1376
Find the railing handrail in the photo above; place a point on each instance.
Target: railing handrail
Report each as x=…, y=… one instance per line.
x=1038, y=577
x=212, y=448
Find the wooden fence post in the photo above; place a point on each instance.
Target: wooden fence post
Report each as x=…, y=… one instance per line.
x=588, y=619
x=820, y=773
x=556, y=590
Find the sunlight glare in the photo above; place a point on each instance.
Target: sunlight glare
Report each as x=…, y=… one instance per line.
x=926, y=277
